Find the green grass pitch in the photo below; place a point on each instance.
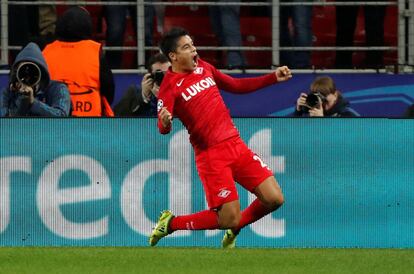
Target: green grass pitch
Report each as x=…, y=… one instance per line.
x=123, y=260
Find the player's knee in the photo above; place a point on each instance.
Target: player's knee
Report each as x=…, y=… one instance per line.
x=231, y=220
x=275, y=201
x=280, y=200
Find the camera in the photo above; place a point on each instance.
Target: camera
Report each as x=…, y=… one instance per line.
x=312, y=100
x=157, y=75
x=28, y=73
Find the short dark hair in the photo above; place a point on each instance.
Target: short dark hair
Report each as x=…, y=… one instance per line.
x=157, y=58
x=169, y=40
x=75, y=24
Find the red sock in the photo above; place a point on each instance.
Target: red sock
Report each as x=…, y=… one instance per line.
x=206, y=219
x=252, y=213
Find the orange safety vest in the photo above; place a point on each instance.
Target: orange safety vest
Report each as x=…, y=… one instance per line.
x=77, y=65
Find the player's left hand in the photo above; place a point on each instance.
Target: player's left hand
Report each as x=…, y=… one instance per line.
x=283, y=74
x=166, y=117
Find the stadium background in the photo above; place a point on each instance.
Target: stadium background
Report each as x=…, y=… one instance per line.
x=347, y=181
x=103, y=182
x=371, y=94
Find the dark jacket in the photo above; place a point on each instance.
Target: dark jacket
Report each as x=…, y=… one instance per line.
x=132, y=104
x=75, y=25
x=340, y=109
x=51, y=99
x=409, y=112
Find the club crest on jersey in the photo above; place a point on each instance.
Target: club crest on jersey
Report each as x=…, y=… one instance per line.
x=198, y=87
x=224, y=193
x=160, y=104
x=198, y=70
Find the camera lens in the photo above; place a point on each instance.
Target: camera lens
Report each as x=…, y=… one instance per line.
x=158, y=76
x=312, y=100
x=28, y=73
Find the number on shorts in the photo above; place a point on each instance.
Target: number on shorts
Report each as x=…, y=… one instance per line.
x=257, y=158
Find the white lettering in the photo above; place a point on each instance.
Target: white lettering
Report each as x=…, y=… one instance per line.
x=196, y=88
x=204, y=84
x=9, y=165
x=211, y=81
x=261, y=143
x=185, y=96
x=50, y=197
x=192, y=91
x=178, y=167
x=262, y=164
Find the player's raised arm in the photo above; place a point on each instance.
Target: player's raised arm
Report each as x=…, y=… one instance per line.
x=246, y=85
x=283, y=74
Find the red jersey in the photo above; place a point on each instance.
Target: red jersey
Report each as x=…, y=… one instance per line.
x=195, y=99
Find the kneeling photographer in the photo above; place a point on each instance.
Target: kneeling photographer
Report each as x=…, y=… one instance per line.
x=324, y=100
x=142, y=101
x=30, y=91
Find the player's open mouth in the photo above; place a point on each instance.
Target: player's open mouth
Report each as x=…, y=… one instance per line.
x=195, y=60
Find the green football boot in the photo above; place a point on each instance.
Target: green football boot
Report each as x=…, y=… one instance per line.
x=229, y=239
x=161, y=229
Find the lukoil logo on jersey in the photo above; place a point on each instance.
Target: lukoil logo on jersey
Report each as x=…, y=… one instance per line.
x=198, y=87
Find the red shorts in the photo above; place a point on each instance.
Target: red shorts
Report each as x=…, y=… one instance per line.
x=221, y=165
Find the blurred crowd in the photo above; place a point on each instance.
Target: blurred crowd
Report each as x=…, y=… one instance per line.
x=228, y=26
x=75, y=36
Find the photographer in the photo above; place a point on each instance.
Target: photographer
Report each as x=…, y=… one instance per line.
x=324, y=100
x=142, y=101
x=30, y=91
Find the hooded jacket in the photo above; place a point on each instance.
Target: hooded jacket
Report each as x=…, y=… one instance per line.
x=51, y=98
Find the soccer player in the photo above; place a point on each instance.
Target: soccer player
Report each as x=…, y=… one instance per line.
x=190, y=92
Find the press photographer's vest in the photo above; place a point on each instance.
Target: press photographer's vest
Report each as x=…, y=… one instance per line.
x=77, y=65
